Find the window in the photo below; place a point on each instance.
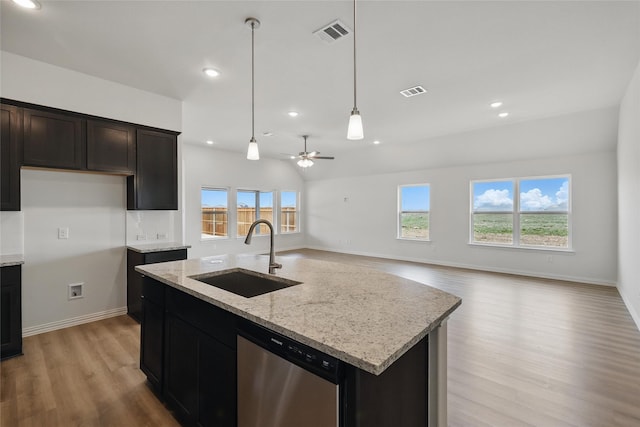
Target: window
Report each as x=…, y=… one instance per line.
x=214, y=202
x=253, y=205
x=413, y=218
x=289, y=211
x=538, y=216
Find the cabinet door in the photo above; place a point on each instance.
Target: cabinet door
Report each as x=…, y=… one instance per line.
x=152, y=343
x=181, y=368
x=217, y=388
x=155, y=184
x=110, y=147
x=10, y=311
x=53, y=140
x=10, y=157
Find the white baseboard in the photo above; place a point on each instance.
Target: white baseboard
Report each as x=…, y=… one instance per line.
x=587, y=280
x=74, y=321
x=632, y=311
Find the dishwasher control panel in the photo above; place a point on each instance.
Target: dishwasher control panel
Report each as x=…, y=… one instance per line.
x=302, y=355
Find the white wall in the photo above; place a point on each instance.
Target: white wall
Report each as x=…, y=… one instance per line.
x=210, y=167
x=24, y=79
x=629, y=198
x=93, y=208
x=366, y=222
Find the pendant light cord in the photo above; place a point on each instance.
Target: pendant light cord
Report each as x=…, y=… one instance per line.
x=354, y=55
x=252, y=85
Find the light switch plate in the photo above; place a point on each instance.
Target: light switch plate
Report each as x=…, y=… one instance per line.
x=63, y=232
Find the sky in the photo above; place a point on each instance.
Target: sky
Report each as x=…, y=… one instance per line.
x=539, y=194
x=218, y=198
x=415, y=198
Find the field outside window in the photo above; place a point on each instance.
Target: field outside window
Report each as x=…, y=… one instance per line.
x=413, y=218
x=539, y=216
x=214, y=213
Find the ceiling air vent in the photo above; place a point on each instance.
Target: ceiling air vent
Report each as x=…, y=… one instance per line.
x=413, y=91
x=333, y=32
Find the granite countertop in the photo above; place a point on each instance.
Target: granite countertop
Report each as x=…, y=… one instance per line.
x=364, y=317
x=157, y=247
x=13, y=259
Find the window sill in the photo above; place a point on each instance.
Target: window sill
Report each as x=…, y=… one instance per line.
x=409, y=239
x=213, y=239
x=524, y=248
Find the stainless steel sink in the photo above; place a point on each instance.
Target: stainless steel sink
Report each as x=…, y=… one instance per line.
x=244, y=282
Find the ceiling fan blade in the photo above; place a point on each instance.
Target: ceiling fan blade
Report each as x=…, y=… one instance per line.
x=314, y=153
x=323, y=157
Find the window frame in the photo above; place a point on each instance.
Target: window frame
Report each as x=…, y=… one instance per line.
x=516, y=213
x=399, y=213
x=258, y=229
x=228, y=193
x=296, y=212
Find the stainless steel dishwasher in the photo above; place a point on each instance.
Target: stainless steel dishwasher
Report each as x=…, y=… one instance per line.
x=282, y=383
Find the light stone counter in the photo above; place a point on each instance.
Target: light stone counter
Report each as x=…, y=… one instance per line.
x=157, y=247
x=9, y=260
x=364, y=317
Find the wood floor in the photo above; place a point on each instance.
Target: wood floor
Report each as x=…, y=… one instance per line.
x=522, y=352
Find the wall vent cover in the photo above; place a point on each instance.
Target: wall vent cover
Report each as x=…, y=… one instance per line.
x=413, y=91
x=333, y=32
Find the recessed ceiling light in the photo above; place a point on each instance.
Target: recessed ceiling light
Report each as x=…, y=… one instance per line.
x=496, y=104
x=28, y=4
x=211, y=72
x=210, y=142
x=503, y=114
x=293, y=113
x=376, y=142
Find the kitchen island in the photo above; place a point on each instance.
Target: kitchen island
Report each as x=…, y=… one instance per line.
x=367, y=319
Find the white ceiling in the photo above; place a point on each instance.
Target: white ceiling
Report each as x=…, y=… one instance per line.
x=541, y=58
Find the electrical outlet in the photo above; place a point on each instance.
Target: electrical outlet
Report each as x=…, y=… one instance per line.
x=75, y=290
x=141, y=237
x=162, y=236
x=63, y=232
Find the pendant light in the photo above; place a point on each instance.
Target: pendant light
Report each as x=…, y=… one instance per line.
x=355, y=130
x=252, y=152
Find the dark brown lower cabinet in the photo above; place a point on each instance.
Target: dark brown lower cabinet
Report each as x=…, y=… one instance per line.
x=198, y=379
x=134, y=279
x=152, y=333
x=10, y=311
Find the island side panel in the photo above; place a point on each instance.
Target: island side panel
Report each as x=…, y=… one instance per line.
x=396, y=397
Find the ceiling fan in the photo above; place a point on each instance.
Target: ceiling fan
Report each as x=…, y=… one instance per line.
x=307, y=158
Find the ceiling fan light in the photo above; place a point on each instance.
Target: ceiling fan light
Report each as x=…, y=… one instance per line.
x=252, y=152
x=355, y=130
x=305, y=163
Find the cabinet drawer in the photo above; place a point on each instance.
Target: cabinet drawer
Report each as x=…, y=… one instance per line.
x=165, y=256
x=213, y=321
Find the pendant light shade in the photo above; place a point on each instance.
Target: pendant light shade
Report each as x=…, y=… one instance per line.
x=355, y=130
x=252, y=152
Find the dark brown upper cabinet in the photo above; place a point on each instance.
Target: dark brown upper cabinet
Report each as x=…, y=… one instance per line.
x=53, y=140
x=111, y=147
x=155, y=184
x=10, y=138
x=40, y=136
